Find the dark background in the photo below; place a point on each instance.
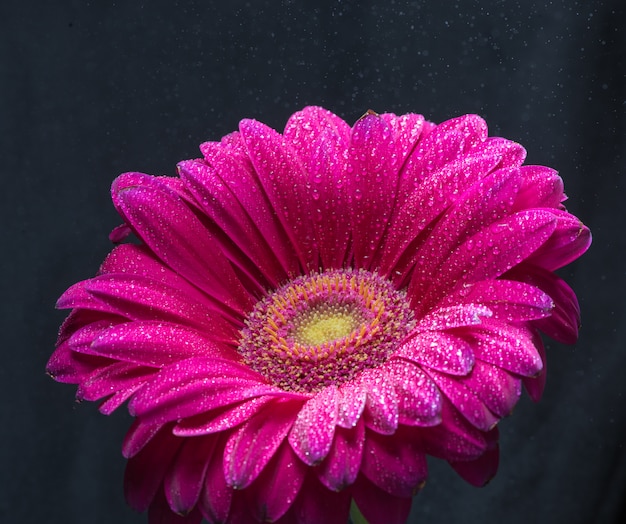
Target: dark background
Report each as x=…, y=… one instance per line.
x=92, y=89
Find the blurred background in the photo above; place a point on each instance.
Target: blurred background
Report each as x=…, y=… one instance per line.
x=92, y=89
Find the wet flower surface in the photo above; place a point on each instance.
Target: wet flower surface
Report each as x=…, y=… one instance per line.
x=309, y=314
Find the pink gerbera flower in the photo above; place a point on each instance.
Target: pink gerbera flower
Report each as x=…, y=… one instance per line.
x=309, y=314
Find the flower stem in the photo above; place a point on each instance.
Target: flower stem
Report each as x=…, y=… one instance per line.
x=356, y=517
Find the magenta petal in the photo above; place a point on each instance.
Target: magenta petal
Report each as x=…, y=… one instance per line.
x=381, y=403
x=159, y=511
x=509, y=241
x=314, y=428
x=395, y=464
x=115, y=378
x=496, y=388
x=216, y=497
x=466, y=401
x=138, y=436
x=321, y=138
x=535, y=385
x=223, y=207
x=252, y=445
x=351, y=403
x=453, y=317
x=407, y=130
x=480, y=471
x=155, y=343
x=285, y=183
x=146, y=470
x=276, y=488
x=378, y=506
x=419, y=399
x=506, y=346
x=541, y=187
x=568, y=242
x=439, y=351
x=165, y=223
x=373, y=163
x=508, y=300
x=196, y=385
x=564, y=322
x=316, y=504
x=230, y=160
x=455, y=438
x=342, y=464
x=183, y=482
x=220, y=419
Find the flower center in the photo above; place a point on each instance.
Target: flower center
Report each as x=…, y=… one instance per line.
x=324, y=329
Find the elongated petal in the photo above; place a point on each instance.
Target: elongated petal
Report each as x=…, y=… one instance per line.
x=381, y=403
x=535, y=385
x=453, y=317
x=162, y=220
x=419, y=399
x=508, y=347
x=308, y=509
x=285, y=182
x=373, y=163
x=185, y=479
x=465, y=400
x=321, y=138
x=378, y=506
x=276, y=488
x=439, y=351
x=138, y=436
x=216, y=496
x=313, y=430
x=341, y=466
x=480, y=471
x=507, y=300
x=541, y=187
x=145, y=471
x=253, y=445
x=396, y=465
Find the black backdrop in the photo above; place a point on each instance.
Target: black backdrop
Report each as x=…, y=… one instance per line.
x=91, y=89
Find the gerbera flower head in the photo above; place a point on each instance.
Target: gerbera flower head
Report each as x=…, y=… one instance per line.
x=309, y=314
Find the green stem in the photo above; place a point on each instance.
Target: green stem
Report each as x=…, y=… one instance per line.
x=355, y=515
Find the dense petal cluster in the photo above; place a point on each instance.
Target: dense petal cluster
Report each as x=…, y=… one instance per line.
x=309, y=314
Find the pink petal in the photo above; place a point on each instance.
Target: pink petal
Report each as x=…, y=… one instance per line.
x=455, y=438
x=490, y=252
x=351, y=403
x=486, y=201
x=535, y=385
x=197, y=385
x=156, y=344
x=465, y=400
x=419, y=399
x=381, y=403
x=541, y=187
x=308, y=509
x=112, y=379
x=378, y=506
x=223, y=207
x=216, y=497
x=395, y=464
x=507, y=300
x=230, y=160
x=252, y=445
x=163, y=221
x=285, y=183
x=407, y=131
x=185, y=479
x=160, y=512
x=145, y=471
x=342, y=464
x=564, y=322
x=568, y=242
x=507, y=346
x=496, y=388
x=274, y=491
x=314, y=428
x=321, y=138
x=219, y=420
x=453, y=317
x=373, y=169
x=138, y=436
x=438, y=351
x=480, y=471
x=70, y=367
